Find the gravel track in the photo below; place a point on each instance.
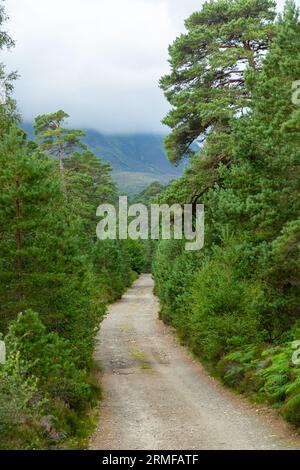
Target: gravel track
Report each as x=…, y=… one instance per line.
x=156, y=396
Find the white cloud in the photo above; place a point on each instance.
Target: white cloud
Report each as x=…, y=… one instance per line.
x=99, y=60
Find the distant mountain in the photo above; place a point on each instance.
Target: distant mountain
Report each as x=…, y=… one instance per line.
x=136, y=159
x=137, y=152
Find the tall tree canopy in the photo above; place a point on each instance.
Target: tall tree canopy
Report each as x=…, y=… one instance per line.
x=206, y=84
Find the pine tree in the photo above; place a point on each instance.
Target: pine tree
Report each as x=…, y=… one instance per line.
x=56, y=139
x=89, y=184
x=44, y=261
x=252, y=213
x=264, y=178
x=206, y=86
x=26, y=186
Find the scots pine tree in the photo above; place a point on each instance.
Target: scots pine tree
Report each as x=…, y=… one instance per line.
x=89, y=184
x=206, y=85
x=57, y=140
x=44, y=261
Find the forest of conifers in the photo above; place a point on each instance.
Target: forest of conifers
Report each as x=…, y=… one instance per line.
x=233, y=88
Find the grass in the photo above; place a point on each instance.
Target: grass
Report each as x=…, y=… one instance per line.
x=139, y=356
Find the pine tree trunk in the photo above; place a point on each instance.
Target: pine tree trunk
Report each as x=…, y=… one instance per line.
x=251, y=60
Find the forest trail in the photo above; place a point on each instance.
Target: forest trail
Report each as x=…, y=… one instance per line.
x=157, y=397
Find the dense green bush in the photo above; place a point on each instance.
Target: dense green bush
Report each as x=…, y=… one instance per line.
x=213, y=309
x=116, y=263
x=291, y=409
x=21, y=406
x=224, y=306
x=267, y=374
x=51, y=359
x=50, y=392
x=137, y=255
x=173, y=270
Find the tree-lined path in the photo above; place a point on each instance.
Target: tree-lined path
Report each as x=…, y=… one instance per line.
x=157, y=397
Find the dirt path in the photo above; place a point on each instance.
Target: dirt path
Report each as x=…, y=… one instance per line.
x=157, y=397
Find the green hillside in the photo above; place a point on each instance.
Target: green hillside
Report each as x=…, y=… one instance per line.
x=136, y=159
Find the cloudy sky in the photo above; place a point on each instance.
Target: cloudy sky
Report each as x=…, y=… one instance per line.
x=99, y=60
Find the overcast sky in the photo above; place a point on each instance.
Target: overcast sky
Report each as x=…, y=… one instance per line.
x=99, y=60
